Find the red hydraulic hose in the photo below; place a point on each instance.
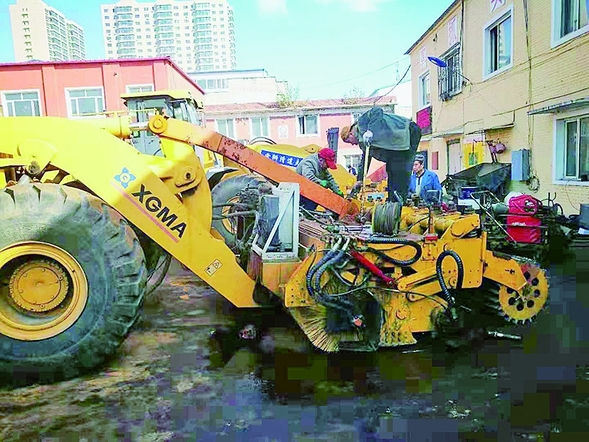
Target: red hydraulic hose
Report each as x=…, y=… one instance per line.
x=372, y=268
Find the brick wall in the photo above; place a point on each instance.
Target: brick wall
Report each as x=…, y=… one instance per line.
x=553, y=75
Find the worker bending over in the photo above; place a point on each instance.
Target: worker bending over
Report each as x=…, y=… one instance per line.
x=422, y=179
x=393, y=139
x=316, y=168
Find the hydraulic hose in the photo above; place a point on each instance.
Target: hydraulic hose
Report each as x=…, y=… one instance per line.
x=316, y=283
x=314, y=269
x=337, y=256
x=314, y=277
x=346, y=282
x=401, y=241
x=446, y=293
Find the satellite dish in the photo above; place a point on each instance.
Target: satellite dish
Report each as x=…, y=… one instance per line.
x=438, y=62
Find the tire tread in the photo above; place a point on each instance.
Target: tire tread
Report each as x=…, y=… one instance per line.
x=124, y=253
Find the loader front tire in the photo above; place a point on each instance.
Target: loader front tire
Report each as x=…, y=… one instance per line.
x=227, y=192
x=72, y=281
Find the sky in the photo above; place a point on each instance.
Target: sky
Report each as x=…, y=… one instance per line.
x=323, y=48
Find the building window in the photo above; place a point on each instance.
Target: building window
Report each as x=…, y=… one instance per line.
x=572, y=148
x=139, y=88
x=450, y=77
x=352, y=161
x=85, y=101
x=21, y=104
x=498, y=51
x=424, y=90
x=260, y=127
x=569, y=20
x=308, y=125
x=435, y=161
x=226, y=127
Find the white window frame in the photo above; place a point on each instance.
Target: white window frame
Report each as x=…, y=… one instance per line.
x=558, y=150
x=232, y=126
x=69, y=104
x=21, y=91
x=350, y=158
x=252, y=127
x=421, y=104
x=141, y=86
x=298, y=126
x=508, y=13
x=555, y=39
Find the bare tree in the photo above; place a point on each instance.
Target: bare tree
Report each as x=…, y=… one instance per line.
x=353, y=96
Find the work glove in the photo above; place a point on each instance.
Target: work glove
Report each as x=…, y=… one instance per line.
x=367, y=137
x=323, y=183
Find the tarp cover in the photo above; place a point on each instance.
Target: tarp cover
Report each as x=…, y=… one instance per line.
x=484, y=176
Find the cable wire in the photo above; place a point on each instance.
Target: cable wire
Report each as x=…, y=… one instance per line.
x=393, y=88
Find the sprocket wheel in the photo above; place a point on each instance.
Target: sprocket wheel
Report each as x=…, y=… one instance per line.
x=522, y=307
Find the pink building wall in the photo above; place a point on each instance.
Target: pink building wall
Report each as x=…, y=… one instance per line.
x=51, y=79
x=326, y=121
x=243, y=132
x=284, y=122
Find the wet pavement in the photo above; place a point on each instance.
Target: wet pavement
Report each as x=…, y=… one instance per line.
x=172, y=382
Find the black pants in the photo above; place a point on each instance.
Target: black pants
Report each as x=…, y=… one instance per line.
x=399, y=164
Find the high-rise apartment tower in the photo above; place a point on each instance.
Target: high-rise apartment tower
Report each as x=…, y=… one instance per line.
x=40, y=32
x=197, y=34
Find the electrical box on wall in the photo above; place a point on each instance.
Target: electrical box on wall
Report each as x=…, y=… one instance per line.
x=520, y=165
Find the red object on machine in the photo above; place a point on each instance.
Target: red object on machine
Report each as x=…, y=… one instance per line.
x=524, y=229
x=372, y=268
x=522, y=226
x=524, y=205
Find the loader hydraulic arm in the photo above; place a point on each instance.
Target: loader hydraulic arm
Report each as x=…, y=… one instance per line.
x=185, y=132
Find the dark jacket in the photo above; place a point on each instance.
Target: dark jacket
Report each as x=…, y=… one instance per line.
x=311, y=169
x=390, y=131
x=392, y=137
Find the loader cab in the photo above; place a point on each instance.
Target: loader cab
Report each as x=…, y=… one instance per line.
x=180, y=105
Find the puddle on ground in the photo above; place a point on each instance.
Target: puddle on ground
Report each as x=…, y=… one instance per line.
x=171, y=381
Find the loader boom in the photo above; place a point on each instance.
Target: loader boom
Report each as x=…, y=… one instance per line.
x=185, y=132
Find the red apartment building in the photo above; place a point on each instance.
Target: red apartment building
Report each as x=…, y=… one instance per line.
x=74, y=88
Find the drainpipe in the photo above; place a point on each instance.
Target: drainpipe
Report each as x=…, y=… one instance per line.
x=332, y=138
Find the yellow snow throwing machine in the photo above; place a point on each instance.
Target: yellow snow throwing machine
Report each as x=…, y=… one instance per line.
x=88, y=219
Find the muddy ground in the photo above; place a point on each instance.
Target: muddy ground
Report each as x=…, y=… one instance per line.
x=172, y=382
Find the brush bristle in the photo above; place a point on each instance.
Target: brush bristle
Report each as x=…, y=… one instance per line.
x=313, y=321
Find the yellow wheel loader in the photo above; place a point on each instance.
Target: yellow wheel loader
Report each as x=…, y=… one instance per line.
x=226, y=178
x=82, y=211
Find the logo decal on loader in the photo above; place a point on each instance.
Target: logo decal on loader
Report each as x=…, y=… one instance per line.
x=150, y=205
x=125, y=177
x=155, y=207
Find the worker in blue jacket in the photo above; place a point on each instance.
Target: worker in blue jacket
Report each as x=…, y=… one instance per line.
x=422, y=179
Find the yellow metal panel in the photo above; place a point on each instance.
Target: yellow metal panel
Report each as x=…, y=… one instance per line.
x=296, y=294
x=504, y=270
x=275, y=275
x=118, y=174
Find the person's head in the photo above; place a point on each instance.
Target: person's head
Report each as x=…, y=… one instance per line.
x=327, y=158
x=349, y=135
x=418, y=163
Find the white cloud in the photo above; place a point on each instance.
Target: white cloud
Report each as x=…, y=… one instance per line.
x=359, y=5
x=272, y=6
